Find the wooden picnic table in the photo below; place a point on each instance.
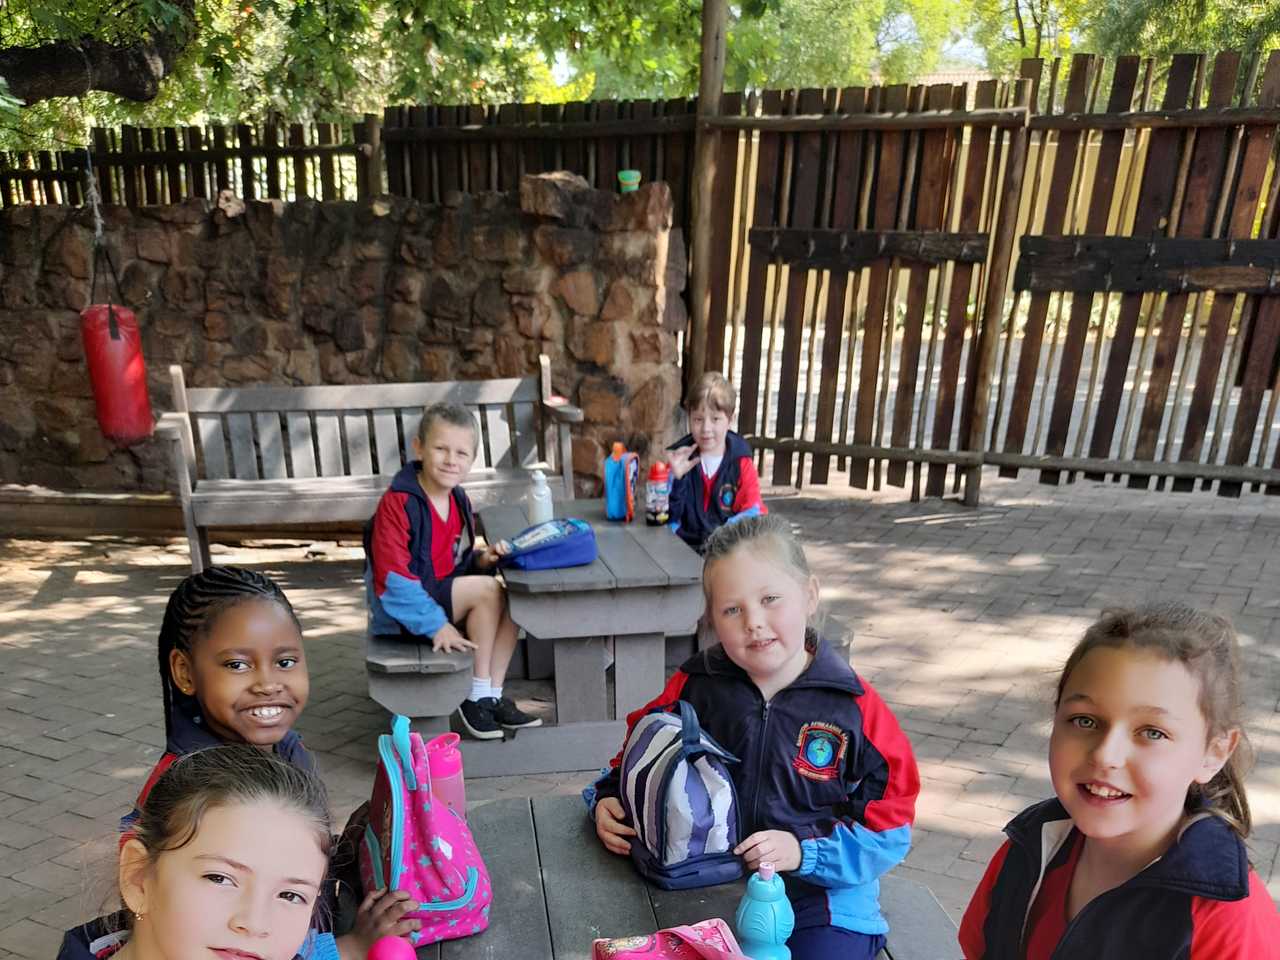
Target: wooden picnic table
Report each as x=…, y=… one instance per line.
x=556, y=889
x=645, y=585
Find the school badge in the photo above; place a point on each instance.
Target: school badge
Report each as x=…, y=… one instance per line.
x=728, y=493
x=820, y=750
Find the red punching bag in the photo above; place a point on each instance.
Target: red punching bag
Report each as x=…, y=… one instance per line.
x=113, y=349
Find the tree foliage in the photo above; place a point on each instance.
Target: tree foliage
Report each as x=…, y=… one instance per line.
x=1163, y=27
x=297, y=59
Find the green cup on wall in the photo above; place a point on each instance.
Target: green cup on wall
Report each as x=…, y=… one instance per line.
x=628, y=180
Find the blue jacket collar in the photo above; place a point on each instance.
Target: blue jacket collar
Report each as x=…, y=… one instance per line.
x=1208, y=860
x=828, y=668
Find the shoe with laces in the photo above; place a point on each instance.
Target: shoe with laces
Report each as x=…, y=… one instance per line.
x=477, y=718
x=512, y=717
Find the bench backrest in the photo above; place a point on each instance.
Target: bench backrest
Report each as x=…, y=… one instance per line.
x=252, y=433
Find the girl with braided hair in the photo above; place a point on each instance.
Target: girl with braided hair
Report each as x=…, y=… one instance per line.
x=232, y=670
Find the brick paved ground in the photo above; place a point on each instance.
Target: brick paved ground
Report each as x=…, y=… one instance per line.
x=960, y=618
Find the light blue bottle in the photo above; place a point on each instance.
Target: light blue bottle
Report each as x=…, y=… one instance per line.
x=764, y=920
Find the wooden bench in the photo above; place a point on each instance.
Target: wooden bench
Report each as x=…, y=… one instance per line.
x=273, y=456
x=555, y=890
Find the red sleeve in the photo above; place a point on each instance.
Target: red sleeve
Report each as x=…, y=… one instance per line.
x=1247, y=929
x=748, y=488
x=128, y=821
x=972, y=940
x=389, y=542
x=888, y=775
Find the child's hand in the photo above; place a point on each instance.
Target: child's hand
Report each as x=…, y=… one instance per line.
x=380, y=915
x=682, y=460
x=449, y=640
x=779, y=847
x=491, y=555
x=610, y=828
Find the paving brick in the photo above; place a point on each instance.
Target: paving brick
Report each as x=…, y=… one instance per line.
x=49, y=876
x=31, y=939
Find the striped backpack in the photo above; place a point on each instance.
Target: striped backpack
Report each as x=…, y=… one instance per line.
x=679, y=797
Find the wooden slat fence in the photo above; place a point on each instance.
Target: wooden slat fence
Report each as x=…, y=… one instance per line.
x=1077, y=271
x=851, y=305
x=1148, y=348
x=137, y=166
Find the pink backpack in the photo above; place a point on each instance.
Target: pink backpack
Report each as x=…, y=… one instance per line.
x=415, y=842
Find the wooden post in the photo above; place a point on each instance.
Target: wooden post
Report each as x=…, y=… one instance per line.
x=707, y=146
x=370, y=163
x=993, y=307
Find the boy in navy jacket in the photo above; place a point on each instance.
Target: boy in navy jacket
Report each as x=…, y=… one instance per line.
x=714, y=479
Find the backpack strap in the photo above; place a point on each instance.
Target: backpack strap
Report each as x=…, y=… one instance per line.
x=404, y=749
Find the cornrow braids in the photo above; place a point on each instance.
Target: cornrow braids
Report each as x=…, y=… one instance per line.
x=193, y=609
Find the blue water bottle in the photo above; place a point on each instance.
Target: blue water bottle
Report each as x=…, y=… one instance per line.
x=621, y=471
x=764, y=920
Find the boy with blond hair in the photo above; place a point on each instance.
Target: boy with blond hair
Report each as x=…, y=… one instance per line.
x=713, y=476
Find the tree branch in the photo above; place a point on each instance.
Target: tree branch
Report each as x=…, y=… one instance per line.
x=66, y=68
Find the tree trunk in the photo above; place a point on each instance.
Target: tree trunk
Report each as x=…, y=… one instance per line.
x=70, y=69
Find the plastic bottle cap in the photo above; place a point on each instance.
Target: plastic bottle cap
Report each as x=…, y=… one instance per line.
x=539, y=478
x=391, y=948
x=619, y=448
x=444, y=759
x=658, y=471
x=765, y=870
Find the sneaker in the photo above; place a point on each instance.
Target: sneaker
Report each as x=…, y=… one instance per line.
x=476, y=717
x=512, y=717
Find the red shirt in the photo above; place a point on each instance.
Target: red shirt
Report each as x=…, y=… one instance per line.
x=444, y=537
x=1047, y=921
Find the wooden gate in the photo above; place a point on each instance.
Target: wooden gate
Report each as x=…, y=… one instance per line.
x=1148, y=341
x=879, y=218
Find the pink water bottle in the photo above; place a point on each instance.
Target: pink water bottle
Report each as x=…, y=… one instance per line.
x=444, y=760
x=391, y=948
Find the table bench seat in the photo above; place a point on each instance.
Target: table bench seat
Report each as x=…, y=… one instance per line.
x=556, y=890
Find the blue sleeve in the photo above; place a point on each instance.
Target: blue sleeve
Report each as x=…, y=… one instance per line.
x=406, y=601
x=319, y=946
x=852, y=855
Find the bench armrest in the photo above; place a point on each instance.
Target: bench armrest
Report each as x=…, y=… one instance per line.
x=175, y=429
x=561, y=410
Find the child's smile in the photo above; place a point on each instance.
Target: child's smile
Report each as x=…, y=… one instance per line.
x=248, y=674
x=1128, y=740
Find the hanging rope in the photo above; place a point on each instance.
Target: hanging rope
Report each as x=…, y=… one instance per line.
x=100, y=250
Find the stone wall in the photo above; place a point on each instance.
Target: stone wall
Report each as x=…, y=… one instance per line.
x=312, y=293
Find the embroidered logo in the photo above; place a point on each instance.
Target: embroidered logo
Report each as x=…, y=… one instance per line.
x=820, y=750
x=728, y=493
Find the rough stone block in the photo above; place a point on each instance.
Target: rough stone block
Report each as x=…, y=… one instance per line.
x=550, y=195
x=565, y=247
x=578, y=290
x=492, y=305
x=602, y=399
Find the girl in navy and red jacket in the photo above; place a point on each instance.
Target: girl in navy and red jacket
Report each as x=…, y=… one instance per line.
x=1142, y=853
x=827, y=784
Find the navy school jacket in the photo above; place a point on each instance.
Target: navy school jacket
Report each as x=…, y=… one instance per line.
x=397, y=549
x=735, y=492
x=850, y=803
x=1199, y=901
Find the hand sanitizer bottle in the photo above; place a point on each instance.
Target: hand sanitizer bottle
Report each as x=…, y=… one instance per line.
x=540, y=510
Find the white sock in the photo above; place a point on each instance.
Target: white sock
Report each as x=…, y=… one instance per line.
x=479, y=688
x=495, y=692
